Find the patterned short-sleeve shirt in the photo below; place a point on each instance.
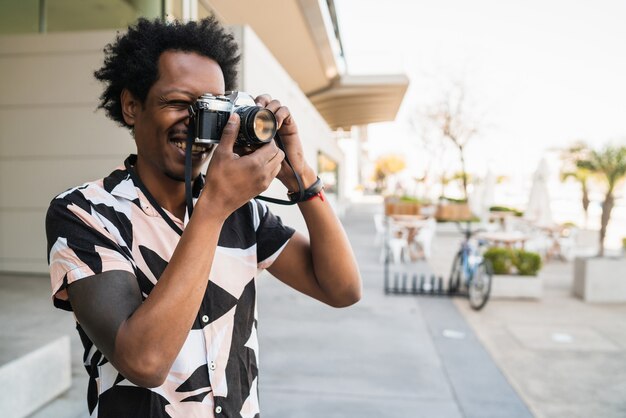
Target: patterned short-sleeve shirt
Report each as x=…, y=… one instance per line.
x=109, y=224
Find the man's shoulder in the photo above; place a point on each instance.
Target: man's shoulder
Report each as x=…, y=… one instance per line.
x=107, y=189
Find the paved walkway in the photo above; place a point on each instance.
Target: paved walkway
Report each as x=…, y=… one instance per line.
x=401, y=356
x=564, y=357
x=385, y=357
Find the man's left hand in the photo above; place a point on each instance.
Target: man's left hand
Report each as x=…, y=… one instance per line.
x=288, y=131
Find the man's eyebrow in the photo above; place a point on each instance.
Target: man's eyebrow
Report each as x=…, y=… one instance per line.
x=185, y=92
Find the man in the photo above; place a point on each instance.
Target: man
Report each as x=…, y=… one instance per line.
x=165, y=305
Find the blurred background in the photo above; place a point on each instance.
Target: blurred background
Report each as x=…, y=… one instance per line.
x=507, y=116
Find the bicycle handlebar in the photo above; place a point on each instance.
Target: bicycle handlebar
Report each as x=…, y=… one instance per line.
x=468, y=233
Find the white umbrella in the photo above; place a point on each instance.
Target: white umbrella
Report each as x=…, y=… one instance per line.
x=538, y=210
x=476, y=198
x=483, y=196
x=489, y=193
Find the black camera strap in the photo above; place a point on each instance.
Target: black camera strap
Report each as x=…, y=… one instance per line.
x=299, y=193
x=188, y=188
x=296, y=197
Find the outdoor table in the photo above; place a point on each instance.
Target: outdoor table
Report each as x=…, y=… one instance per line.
x=409, y=225
x=504, y=239
x=554, y=233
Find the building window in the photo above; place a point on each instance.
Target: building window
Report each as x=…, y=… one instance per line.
x=29, y=16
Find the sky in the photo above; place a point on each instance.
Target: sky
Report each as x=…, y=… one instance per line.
x=539, y=74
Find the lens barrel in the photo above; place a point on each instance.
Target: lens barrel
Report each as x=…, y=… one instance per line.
x=257, y=126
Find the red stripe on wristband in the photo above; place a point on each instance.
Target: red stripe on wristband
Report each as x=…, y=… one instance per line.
x=320, y=194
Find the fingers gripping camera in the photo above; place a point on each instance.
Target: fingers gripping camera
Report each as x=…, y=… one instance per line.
x=209, y=114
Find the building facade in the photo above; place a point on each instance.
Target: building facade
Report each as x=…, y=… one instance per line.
x=52, y=137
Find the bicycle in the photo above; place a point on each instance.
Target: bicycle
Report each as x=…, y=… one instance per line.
x=472, y=270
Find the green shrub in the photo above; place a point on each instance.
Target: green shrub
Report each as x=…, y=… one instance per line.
x=527, y=263
x=508, y=261
x=453, y=200
x=506, y=209
x=501, y=259
x=412, y=199
x=624, y=243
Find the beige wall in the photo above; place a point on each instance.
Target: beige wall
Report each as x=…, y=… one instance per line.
x=51, y=137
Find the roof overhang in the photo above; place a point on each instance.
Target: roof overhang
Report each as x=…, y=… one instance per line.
x=360, y=100
x=303, y=36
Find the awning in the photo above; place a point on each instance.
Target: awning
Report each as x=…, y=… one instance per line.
x=360, y=100
x=302, y=37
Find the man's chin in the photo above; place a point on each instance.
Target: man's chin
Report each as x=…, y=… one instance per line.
x=175, y=177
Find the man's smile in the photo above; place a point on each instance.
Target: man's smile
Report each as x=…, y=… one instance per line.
x=178, y=138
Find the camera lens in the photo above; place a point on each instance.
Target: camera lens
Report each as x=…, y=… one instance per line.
x=264, y=125
x=258, y=125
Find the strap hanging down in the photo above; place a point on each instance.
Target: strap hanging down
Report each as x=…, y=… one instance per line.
x=294, y=197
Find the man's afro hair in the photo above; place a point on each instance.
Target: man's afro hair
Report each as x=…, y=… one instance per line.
x=131, y=61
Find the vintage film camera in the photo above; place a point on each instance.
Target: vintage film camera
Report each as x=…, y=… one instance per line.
x=210, y=113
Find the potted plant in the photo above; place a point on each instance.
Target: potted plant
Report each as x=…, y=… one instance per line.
x=601, y=279
x=453, y=210
x=516, y=273
x=402, y=205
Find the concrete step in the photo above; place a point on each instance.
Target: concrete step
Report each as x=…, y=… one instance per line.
x=32, y=373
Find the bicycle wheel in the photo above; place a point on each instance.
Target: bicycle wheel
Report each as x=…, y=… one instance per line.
x=479, y=286
x=454, y=281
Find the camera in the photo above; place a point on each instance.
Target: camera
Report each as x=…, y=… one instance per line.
x=209, y=115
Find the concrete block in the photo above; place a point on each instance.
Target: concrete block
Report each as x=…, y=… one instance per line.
x=506, y=286
x=31, y=380
x=600, y=279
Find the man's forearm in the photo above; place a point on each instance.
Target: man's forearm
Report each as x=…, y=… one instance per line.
x=333, y=261
x=150, y=340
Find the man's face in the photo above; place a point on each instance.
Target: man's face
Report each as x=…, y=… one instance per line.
x=160, y=124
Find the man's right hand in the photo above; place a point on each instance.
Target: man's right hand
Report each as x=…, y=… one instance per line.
x=232, y=180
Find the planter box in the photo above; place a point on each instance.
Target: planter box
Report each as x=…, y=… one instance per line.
x=600, y=279
x=505, y=286
x=453, y=212
x=395, y=206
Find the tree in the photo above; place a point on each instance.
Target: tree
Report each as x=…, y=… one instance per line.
x=385, y=166
x=570, y=169
x=452, y=119
x=610, y=164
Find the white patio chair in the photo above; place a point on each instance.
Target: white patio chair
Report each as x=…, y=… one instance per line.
x=424, y=237
x=379, y=224
x=398, y=245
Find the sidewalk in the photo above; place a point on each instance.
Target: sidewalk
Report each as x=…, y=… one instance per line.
x=400, y=356
x=384, y=357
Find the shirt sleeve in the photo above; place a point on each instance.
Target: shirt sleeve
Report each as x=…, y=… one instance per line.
x=271, y=235
x=79, y=246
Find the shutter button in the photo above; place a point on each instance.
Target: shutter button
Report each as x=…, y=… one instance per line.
x=205, y=318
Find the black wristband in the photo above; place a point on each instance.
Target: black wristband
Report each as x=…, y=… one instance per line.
x=313, y=190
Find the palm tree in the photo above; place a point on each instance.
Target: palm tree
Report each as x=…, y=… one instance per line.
x=570, y=158
x=609, y=163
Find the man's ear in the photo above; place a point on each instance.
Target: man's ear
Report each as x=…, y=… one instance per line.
x=130, y=106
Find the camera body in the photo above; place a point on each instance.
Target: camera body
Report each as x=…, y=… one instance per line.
x=209, y=115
